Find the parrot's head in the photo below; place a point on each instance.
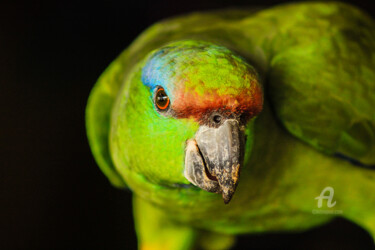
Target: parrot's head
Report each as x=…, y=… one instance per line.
x=184, y=117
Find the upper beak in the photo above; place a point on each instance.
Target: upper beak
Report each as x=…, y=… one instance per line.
x=213, y=159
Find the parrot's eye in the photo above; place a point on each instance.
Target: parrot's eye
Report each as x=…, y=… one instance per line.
x=161, y=99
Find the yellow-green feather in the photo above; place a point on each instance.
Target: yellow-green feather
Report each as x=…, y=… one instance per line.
x=317, y=63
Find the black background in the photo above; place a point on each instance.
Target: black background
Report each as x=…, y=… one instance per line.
x=52, y=194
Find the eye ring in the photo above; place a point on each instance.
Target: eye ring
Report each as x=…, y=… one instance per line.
x=161, y=99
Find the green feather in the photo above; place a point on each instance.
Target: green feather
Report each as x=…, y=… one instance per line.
x=316, y=62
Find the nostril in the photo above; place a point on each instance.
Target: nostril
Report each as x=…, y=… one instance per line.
x=217, y=118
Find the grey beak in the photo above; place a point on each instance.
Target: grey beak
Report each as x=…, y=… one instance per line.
x=213, y=159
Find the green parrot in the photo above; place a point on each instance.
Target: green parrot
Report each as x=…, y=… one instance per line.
x=241, y=121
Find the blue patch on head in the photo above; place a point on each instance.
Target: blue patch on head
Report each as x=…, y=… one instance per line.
x=158, y=71
x=164, y=65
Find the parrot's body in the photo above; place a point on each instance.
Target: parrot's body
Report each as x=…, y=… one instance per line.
x=283, y=98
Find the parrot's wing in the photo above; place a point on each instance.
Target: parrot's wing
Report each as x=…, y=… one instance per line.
x=104, y=93
x=323, y=92
x=98, y=114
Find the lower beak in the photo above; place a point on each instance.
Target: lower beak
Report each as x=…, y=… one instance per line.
x=213, y=159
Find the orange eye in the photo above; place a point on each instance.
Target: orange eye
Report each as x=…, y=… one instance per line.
x=161, y=99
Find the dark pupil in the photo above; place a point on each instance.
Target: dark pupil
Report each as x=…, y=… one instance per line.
x=161, y=98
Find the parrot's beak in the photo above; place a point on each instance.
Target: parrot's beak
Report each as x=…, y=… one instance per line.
x=213, y=159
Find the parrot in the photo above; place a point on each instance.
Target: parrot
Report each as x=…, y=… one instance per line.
x=241, y=121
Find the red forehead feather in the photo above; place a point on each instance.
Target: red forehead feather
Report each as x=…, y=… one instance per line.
x=190, y=104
